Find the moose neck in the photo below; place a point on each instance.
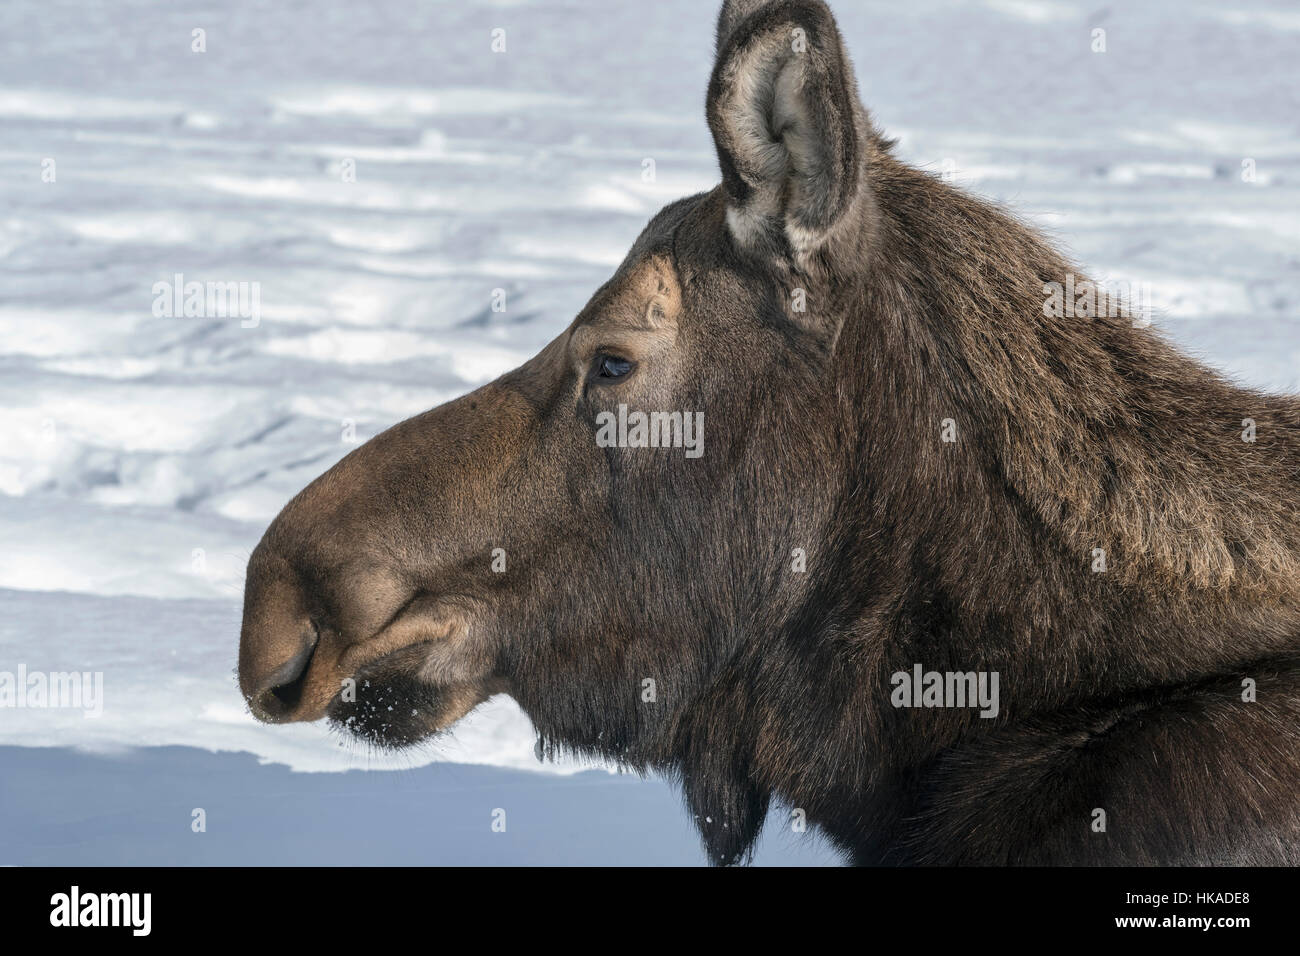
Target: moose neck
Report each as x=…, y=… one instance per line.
x=1020, y=484
x=1036, y=467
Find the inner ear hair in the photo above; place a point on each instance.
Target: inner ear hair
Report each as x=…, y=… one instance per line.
x=784, y=113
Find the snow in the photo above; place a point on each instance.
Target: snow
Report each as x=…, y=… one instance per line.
x=142, y=456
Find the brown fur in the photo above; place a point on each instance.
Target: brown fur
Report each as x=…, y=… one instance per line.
x=1122, y=689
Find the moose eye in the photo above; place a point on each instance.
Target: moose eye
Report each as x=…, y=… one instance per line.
x=611, y=367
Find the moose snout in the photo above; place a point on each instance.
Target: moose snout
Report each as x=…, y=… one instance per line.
x=357, y=599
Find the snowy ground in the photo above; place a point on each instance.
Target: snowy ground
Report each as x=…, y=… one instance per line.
x=142, y=455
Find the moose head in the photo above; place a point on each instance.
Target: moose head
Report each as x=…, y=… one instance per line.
x=699, y=530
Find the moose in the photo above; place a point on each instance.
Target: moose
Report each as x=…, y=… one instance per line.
x=912, y=468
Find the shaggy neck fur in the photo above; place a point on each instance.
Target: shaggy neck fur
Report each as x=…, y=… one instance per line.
x=1073, y=435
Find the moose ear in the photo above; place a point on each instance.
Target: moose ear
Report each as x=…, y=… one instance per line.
x=787, y=123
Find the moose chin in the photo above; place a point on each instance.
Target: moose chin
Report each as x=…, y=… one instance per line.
x=914, y=466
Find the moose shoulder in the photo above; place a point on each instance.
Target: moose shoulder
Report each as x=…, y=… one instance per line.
x=963, y=578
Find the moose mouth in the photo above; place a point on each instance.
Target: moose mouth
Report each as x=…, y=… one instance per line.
x=389, y=706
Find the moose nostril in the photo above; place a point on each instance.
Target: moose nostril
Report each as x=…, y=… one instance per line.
x=289, y=694
x=283, y=689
